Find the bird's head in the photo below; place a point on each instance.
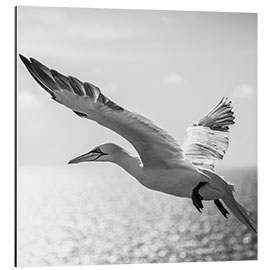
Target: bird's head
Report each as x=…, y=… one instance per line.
x=103, y=152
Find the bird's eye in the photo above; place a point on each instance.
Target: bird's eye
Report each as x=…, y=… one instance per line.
x=97, y=150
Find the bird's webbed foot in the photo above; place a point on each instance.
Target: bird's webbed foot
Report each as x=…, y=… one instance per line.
x=221, y=208
x=196, y=197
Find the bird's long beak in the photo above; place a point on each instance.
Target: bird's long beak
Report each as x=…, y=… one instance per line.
x=90, y=156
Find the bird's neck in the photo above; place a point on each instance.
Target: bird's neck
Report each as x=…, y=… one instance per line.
x=129, y=163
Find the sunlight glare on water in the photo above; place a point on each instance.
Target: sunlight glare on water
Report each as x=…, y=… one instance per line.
x=84, y=215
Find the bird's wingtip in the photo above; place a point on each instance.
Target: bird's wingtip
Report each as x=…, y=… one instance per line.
x=24, y=59
x=70, y=162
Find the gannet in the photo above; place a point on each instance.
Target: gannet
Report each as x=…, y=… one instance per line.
x=161, y=165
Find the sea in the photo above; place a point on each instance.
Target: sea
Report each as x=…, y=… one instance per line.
x=88, y=214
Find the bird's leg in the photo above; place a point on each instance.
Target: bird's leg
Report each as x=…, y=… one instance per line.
x=221, y=208
x=196, y=197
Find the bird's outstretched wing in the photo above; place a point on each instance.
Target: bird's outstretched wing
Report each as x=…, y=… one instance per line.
x=157, y=149
x=207, y=140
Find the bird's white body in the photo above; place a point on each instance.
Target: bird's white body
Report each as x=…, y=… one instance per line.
x=178, y=181
x=161, y=165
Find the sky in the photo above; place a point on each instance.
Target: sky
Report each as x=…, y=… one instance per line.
x=170, y=66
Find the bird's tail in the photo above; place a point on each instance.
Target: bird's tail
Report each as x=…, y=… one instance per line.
x=227, y=189
x=240, y=212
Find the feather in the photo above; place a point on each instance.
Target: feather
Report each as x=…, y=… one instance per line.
x=207, y=140
x=157, y=149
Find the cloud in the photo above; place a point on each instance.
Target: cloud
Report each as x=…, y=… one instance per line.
x=243, y=91
x=70, y=25
x=173, y=79
x=165, y=19
x=27, y=101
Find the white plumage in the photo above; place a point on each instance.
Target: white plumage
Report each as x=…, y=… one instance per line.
x=207, y=140
x=161, y=164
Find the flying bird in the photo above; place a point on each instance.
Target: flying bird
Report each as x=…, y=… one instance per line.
x=162, y=165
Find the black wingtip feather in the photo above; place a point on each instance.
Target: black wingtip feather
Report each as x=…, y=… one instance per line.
x=61, y=80
x=90, y=89
x=25, y=61
x=32, y=70
x=51, y=81
x=220, y=117
x=76, y=85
